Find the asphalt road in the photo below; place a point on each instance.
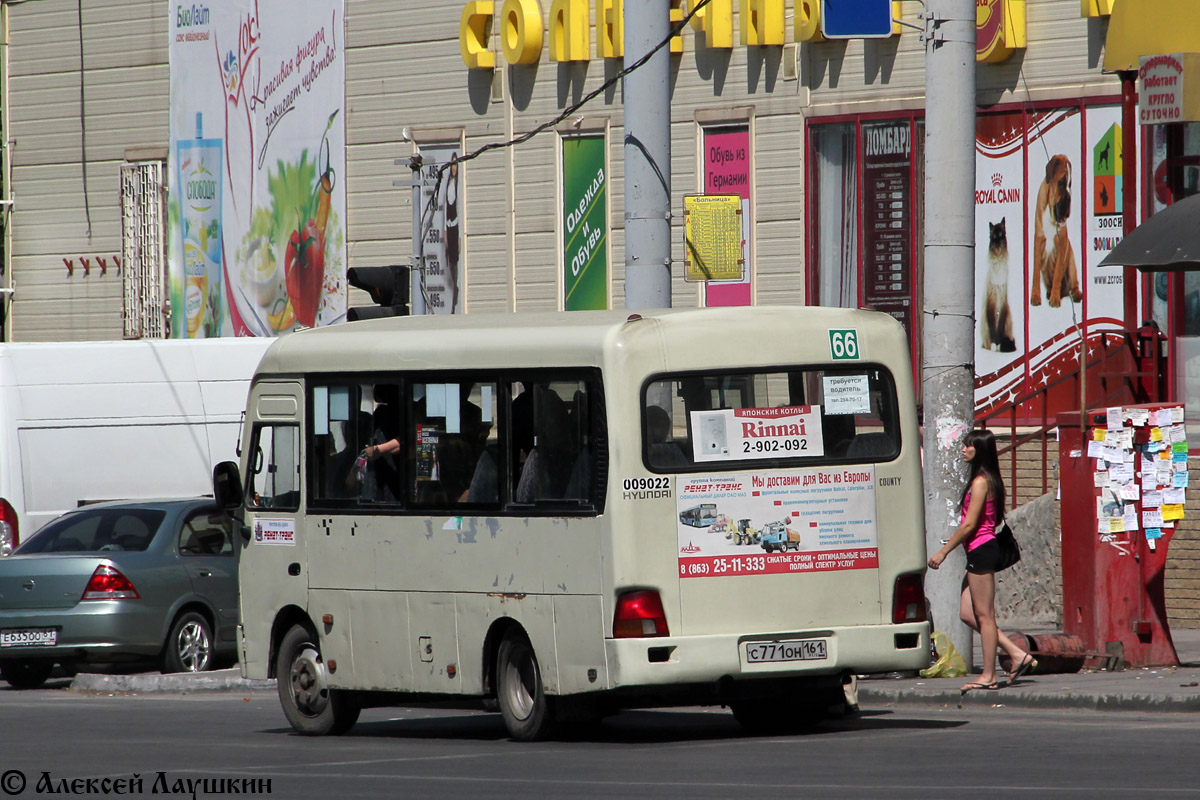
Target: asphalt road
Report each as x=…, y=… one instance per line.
x=901, y=752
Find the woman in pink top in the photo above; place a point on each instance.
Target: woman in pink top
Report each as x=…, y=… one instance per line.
x=982, y=511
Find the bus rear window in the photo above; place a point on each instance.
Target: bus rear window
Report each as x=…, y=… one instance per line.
x=793, y=417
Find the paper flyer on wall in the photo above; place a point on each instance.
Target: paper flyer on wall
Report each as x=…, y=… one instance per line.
x=813, y=520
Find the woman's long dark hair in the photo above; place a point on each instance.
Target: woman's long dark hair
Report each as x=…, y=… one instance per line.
x=987, y=464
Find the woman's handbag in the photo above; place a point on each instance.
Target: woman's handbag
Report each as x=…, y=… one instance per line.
x=1010, y=551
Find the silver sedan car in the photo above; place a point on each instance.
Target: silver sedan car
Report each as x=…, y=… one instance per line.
x=116, y=583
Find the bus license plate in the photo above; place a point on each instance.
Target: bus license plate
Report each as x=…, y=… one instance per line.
x=28, y=637
x=795, y=650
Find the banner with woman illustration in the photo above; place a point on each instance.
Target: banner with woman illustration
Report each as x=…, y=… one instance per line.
x=257, y=204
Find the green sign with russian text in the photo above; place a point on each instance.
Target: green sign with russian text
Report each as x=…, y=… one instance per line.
x=585, y=224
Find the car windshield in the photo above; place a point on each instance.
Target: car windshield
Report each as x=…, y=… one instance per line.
x=96, y=531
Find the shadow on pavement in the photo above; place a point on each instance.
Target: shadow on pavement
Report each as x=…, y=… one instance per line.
x=628, y=727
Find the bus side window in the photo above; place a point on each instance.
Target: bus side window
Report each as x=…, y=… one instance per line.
x=454, y=453
x=551, y=440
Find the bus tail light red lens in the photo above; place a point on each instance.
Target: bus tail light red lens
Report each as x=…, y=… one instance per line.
x=639, y=614
x=908, y=599
x=107, y=583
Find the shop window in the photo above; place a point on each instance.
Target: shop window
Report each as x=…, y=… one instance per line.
x=866, y=218
x=834, y=232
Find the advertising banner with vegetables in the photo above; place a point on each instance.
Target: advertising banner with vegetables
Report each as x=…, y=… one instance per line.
x=257, y=200
x=762, y=523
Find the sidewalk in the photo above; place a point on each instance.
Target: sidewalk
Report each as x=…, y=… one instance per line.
x=1154, y=689
x=1150, y=689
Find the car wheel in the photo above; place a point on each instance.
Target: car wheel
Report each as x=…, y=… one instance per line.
x=523, y=704
x=28, y=674
x=189, y=645
x=311, y=707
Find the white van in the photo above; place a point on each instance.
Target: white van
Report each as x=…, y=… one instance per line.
x=559, y=515
x=82, y=422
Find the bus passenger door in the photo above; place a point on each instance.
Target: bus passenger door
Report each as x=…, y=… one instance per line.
x=273, y=570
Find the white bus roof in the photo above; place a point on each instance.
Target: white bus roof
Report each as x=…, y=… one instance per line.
x=691, y=339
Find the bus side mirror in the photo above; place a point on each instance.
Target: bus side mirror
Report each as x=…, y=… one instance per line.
x=227, y=486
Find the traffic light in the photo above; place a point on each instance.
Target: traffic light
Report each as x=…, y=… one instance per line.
x=388, y=287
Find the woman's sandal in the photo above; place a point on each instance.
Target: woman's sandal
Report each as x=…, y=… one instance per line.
x=977, y=685
x=970, y=687
x=1028, y=664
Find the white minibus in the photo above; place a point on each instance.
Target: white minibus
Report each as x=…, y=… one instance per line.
x=560, y=515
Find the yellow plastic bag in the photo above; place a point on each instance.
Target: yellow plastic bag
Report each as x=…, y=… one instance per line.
x=949, y=663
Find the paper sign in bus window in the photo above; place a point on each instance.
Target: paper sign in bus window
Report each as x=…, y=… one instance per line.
x=740, y=434
x=846, y=394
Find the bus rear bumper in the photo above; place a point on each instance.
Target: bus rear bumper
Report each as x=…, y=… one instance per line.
x=683, y=660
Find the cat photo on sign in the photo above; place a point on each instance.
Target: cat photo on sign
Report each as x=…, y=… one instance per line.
x=995, y=324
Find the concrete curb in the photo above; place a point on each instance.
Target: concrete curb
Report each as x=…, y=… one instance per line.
x=1115, y=701
x=224, y=680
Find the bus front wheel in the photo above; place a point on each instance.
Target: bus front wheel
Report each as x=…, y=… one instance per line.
x=311, y=707
x=523, y=703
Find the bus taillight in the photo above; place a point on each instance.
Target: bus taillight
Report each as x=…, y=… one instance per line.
x=908, y=599
x=639, y=614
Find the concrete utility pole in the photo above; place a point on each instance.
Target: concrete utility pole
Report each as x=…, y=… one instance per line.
x=647, y=157
x=948, y=368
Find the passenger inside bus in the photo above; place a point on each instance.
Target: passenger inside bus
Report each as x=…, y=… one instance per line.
x=382, y=481
x=663, y=452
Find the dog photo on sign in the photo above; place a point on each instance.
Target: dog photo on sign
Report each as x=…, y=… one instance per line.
x=1053, y=257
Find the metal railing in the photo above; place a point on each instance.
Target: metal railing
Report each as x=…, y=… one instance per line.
x=1124, y=367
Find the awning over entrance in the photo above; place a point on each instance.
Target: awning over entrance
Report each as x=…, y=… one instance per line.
x=1147, y=27
x=1169, y=241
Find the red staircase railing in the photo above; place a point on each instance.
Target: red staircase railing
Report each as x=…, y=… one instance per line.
x=1123, y=368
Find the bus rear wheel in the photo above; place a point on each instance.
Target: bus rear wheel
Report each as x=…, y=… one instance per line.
x=523, y=703
x=311, y=707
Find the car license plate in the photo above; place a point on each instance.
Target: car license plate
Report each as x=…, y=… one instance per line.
x=28, y=637
x=794, y=650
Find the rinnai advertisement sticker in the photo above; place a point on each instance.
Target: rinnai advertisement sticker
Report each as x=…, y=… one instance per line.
x=754, y=433
x=767, y=523
x=257, y=196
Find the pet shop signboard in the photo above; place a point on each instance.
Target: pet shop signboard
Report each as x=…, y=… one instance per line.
x=1047, y=202
x=813, y=520
x=257, y=203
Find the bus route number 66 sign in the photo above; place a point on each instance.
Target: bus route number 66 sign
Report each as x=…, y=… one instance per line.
x=843, y=344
